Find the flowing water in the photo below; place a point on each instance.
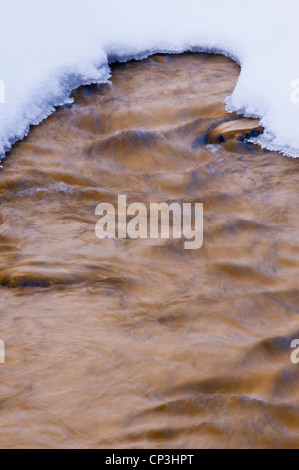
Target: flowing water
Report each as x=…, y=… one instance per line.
x=141, y=343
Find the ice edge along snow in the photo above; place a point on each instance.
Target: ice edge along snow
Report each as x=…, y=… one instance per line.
x=49, y=48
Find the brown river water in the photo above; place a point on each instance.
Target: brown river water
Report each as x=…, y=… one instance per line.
x=141, y=343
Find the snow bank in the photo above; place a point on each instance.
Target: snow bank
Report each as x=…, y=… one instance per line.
x=49, y=47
